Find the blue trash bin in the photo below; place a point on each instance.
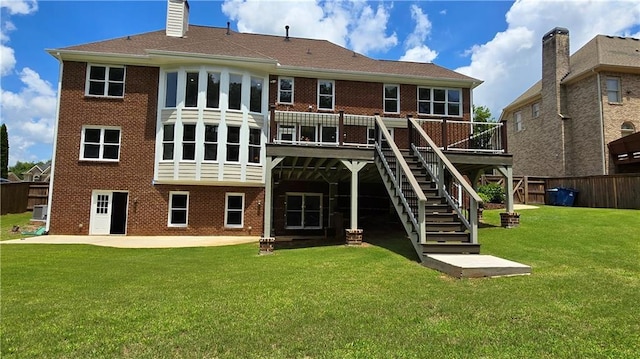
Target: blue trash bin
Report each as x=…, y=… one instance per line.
x=566, y=196
x=552, y=196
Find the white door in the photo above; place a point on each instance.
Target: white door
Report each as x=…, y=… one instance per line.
x=100, y=212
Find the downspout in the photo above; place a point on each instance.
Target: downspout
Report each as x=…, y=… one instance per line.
x=604, y=167
x=55, y=145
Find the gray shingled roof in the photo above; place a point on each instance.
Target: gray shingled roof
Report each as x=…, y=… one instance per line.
x=602, y=50
x=295, y=52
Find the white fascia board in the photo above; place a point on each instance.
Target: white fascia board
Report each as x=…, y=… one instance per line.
x=99, y=57
x=374, y=77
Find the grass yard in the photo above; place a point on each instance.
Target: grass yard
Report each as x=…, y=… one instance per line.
x=15, y=219
x=582, y=300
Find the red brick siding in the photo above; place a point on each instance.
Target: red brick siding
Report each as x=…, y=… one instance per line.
x=356, y=97
x=135, y=114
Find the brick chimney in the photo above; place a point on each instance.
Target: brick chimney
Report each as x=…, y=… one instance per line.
x=555, y=66
x=177, y=18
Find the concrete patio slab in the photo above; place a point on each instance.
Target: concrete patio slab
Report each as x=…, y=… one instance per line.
x=138, y=241
x=475, y=265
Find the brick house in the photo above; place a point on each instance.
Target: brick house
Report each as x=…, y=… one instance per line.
x=199, y=130
x=561, y=126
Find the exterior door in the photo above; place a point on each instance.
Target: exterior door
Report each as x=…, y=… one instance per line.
x=101, y=204
x=108, y=212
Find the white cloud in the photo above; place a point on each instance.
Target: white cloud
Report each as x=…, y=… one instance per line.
x=346, y=23
x=19, y=7
x=29, y=114
x=416, y=50
x=29, y=111
x=511, y=62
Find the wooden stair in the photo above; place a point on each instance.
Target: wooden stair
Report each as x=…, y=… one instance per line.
x=445, y=232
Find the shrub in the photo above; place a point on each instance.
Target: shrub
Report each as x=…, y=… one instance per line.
x=485, y=198
x=493, y=191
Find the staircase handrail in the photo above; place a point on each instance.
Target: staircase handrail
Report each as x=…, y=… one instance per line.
x=418, y=219
x=472, y=221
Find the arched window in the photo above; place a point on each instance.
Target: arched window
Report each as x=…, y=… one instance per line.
x=627, y=128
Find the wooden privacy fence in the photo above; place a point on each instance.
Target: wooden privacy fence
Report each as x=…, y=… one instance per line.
x=19, y=197
x=527, y=190
x=611, y=191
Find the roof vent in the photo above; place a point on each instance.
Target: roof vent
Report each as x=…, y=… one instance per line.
x=228, y=28
x=286, y=29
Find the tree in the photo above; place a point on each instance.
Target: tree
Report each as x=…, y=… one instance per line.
x=4, y=151
x=482, y=134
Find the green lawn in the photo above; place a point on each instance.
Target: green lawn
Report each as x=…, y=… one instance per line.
x=17, y=219
x=582, y=300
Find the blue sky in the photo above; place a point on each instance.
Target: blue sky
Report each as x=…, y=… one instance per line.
x=495, y=41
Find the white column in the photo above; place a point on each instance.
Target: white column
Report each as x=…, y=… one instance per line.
x=354, y=167
x=507, y=173
x=270, y=164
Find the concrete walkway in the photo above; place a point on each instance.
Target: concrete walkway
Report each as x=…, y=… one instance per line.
x=138, y=241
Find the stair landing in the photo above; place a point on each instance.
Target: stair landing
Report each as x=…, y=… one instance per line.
x=474, y=265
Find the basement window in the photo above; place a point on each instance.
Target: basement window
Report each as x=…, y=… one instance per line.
x=234, y=210
x=178, y=209
x=105, y=81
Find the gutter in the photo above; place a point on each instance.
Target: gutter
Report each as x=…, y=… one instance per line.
x=55, y=144
x=604, y=167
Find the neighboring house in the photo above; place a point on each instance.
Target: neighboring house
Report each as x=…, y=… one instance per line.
x=38, y=173
x=199, y=130
x=562, y=125
x=13, y=178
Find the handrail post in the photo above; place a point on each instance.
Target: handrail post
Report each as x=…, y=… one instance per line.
x=422, y=221
x=503, y=136
x=445, y=137
x=341, y=133
x=272, y=123
x=473, y=220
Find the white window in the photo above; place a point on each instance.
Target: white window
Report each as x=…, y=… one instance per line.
x=627, y=129
x=326, y=91
x=371, y=136
x=105, y=81
x=285, y=90
x=329, y=134
x=518, y=121
x=234, y=210
x=304, y=210
x=235, y=91
x=233, y=144
x=391, y=98
x=168, y=131
x=286, y=133
x=308, y=133
x=439, y=101
x=178, y=209
x=613, y=90
x=213, y=90
x=171, y=90
x=255, y=136
x=100, y=144
x=210, y=142
x=188, y=142
x=535, y=110
x=191, y=90
x=255, y=98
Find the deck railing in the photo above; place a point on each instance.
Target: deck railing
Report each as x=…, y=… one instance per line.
x=340, y=129
x=451, y=135
x=405, y=184
x=451, y=184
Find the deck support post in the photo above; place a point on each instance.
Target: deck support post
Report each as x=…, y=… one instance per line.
x=266, y=241
x=353, y=233
x=509, y=219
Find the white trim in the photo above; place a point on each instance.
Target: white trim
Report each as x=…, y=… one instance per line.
x=101, y=144
x=617, y=90
x=105, y=89
x=517, y=121
x=292, y=89
x=186, y=224
x=333, y=94
x=226, y=210
x=384, y=98
x=55, y=145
